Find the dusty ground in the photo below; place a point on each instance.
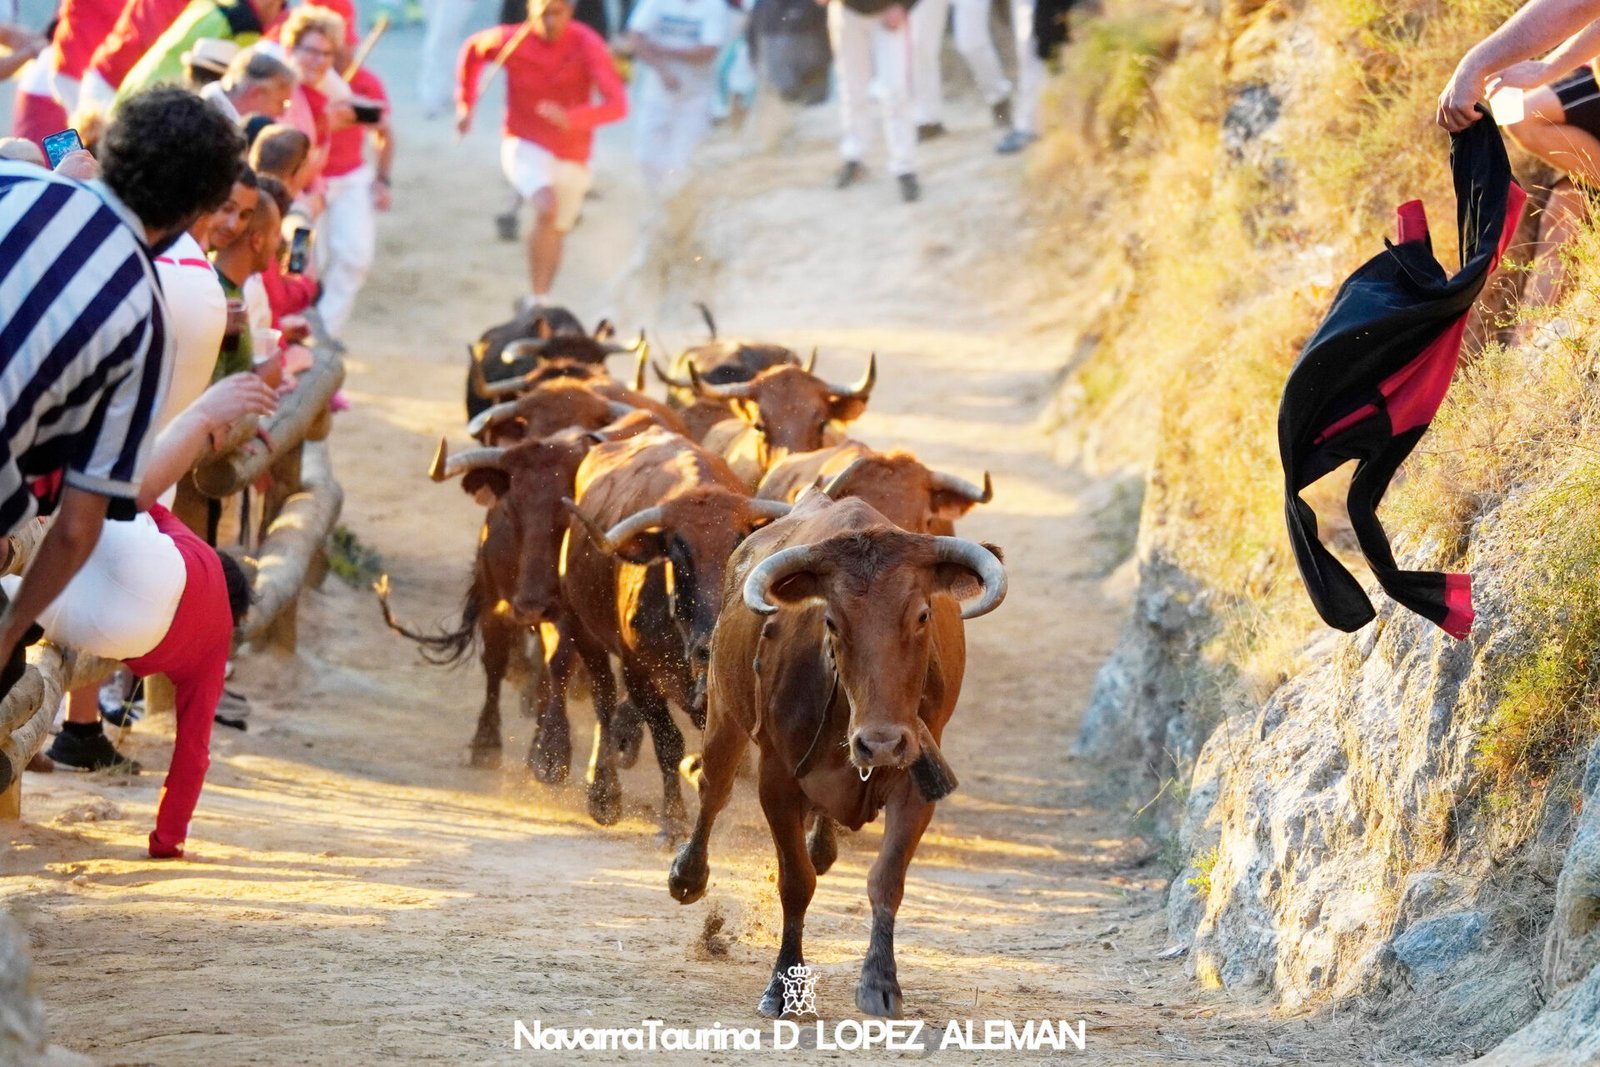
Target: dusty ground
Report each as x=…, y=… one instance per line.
x=355, y=893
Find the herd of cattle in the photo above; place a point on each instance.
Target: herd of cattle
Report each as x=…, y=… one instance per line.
x=741, y=559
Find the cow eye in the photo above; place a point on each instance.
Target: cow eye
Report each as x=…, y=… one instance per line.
x=760, y=428
x=827, y=620
x=922, y=617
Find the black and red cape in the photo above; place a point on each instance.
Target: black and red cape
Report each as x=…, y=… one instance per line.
x=1371, y=378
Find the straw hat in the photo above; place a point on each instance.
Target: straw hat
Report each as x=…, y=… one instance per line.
x=210, y=53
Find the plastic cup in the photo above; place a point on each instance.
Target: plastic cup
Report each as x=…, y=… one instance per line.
x=267, y=341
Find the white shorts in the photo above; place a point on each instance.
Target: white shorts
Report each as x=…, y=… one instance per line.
x=529, y=168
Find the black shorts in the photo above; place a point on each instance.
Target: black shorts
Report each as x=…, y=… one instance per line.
x=1580, y=99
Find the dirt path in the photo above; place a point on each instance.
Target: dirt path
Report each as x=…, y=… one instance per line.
x=355, y=893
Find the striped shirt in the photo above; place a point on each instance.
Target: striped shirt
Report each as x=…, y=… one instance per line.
x=84, y=352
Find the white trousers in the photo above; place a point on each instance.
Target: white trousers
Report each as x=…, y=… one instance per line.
x=1030, y=69
x=446, y=30
x=868, y=55
x=973, y=42
x=668, y=127
x=347, y=237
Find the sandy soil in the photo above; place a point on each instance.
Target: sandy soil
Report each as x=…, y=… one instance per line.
x=355, y=893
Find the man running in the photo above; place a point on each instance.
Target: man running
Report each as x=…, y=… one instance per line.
x=554, y=70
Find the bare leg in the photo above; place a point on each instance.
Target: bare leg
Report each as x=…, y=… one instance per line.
x=544, y=242
x=1545, y=133
x=1563, y=213
x=785, y=807
x=83, y=704
x=905, y=819
x=725, y=742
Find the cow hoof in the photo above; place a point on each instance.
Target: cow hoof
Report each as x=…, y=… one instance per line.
x=549, y=767
x=485, y=758
x=605, y=799
x=772, y=999
x=822, y=845
x=878, y=996
x=627, y=734
x=690, y=873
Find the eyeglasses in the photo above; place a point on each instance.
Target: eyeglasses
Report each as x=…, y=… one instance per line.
x=315, y=53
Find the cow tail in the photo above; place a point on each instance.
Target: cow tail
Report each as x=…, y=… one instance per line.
x=448, y=646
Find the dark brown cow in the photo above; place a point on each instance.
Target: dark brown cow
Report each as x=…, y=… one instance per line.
x=515, y=348
x=551, y=407
x=895, y=483
x=662, y=517
x=840, y=649
x=782, y=410
x=719, y=363
x=516, y=587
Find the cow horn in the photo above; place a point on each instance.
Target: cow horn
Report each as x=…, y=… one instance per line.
x=638, y=368
x=619, y=410
x=483, y=419
x=981, y=562
x=711, y=323
x=667, y=379
x=447, y=466
x=949, y=483
x=639, y=521
x=770, y=509
x=702, y=388
x=504, y=387
x=836, y=483
x=862, y=389
x=614, y=349
x=810, y=365
x=770, y=572
x=604, y=330
x=515, y=350
x=590, y=527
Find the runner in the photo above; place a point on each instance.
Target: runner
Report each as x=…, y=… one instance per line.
x=677, y=43
x=554, y=70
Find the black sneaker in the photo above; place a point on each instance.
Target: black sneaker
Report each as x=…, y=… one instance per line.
x=89, y=752
x=910, y=191
x=505, y=225
x=233, y=709
x=1001, y=110
x=849, y=174
x=930, y=131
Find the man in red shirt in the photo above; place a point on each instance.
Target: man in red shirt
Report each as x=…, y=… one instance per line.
x=554, y=69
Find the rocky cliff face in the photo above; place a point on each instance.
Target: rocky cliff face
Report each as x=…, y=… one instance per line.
x=22, y=1032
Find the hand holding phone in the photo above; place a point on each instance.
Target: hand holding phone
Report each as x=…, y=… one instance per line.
x=58, y=146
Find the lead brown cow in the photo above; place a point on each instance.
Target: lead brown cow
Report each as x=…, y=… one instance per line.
x=840, y=650
x=896, y=483
x=653, y=506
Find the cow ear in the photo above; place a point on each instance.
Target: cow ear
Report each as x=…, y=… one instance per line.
x=846, y=408
x=644, y=547
x=541, y=328
x=486, y=479
x=949, y=506
x=796, y=588
x=959, y=582
x=605, y=331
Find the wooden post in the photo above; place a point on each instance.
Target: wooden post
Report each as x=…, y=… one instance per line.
x=11, y=801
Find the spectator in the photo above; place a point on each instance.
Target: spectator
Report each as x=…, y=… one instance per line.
x=677, y=42
x=36, y=113
x=446, y=28
x=21, y=46
x=320, y=101
x=80, y=26
x=554, y=70
x=81, y=384
x=157, y=597
x=253, y=253
x=255, y=83
x=356, y=191
x=869, y=52
x=206, y=61
x=242, y=23
x=1039, y=28
x=281, y=152
x=1538, y=26
x=976, y=46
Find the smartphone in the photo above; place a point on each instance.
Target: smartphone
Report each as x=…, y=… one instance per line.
x=368, y=114
x=299, y=245
x=58, y=145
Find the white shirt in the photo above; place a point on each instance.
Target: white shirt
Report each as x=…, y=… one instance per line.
x=682, y=24
x=199, y=315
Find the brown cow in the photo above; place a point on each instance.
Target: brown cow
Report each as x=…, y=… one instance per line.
x=720, y=363
x=515, y=587
x=551, y=407
x=782, y=410
x=895, y=483
x=840, y=649
x=662, y=517
x=514, y=348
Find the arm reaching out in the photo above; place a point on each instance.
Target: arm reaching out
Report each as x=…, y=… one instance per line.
x=1538, y=27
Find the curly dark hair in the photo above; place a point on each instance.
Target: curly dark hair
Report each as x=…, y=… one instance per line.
x=240, y=592
x=170, y=156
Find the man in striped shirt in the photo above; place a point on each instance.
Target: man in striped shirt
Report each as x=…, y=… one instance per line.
x=83, y=337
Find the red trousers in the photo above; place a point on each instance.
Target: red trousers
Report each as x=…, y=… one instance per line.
x=193, y=655
x=36, y=117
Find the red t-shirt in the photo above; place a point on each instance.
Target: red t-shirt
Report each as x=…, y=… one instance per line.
x=568, y=71
x=346, y=146
x=135, y=30
x=83, y=24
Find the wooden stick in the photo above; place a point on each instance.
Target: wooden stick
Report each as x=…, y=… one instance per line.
x=364, y=49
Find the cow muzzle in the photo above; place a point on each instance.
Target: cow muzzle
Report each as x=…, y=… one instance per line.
x=883, y=746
